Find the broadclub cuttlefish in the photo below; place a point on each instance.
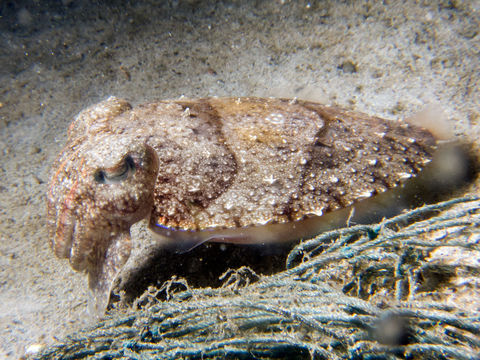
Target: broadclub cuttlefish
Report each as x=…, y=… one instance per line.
x=241, y=170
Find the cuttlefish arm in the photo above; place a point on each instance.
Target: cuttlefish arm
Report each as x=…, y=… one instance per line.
x=101, y=277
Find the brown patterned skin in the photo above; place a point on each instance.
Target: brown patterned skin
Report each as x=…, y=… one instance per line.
x=211, y=166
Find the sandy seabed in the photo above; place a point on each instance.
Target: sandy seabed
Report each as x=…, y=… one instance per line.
x=390, y=58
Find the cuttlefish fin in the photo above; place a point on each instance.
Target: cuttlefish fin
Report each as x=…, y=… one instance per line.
x=101, y=278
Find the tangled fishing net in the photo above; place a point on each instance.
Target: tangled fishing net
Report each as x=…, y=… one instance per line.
x=407, y=287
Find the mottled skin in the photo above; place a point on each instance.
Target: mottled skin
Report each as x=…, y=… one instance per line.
x=203, y=169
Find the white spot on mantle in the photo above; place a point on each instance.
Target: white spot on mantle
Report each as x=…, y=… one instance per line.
x=276, y=118
x=404, y=175
x=270, y=179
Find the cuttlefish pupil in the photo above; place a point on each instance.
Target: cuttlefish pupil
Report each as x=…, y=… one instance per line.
x=115, y=175
x=216, y=169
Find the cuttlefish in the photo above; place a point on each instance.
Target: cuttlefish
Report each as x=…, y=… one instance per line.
x=242, y=170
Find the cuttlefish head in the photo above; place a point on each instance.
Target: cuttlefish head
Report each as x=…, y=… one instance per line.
x=98, y=189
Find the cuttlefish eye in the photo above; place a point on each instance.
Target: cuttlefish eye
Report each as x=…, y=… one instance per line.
x=117, y=174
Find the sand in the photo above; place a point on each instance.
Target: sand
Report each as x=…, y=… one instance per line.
x=391, y=59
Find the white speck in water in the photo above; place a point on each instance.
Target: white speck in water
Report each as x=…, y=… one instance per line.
x=33, y=349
